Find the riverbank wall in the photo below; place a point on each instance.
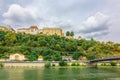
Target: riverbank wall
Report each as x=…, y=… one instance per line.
x=32, y=64
x=42, y=64
x=25, y=64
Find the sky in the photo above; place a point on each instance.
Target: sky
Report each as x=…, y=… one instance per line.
x=98, y=19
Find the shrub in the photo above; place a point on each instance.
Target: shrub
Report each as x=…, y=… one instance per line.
x=47, y=65
x=73, y=64
x=113, y=64
x=104, y=64
x=53, y=65
x=77, y=64
x=62, y=63
x=1, y=65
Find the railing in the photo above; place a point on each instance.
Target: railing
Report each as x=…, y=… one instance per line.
x=104, y=59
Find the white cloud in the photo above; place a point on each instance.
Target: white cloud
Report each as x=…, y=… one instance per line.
x=97, y=34
x=94, y=23
x=19, y=14
x=94, y=26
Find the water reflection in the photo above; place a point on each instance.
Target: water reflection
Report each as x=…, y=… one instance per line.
x=15, y=74
x=31, y=74
x=3, y=74
x=60, y=74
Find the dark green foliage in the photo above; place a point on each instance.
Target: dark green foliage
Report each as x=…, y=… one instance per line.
x=72, y=33
x=62, y=63
x=113, y=64
x=1, y=65
x=47, y=65
x=103, y=64
x=76, y=55
x=53, y=65
x=68, y=33
x=75, y=64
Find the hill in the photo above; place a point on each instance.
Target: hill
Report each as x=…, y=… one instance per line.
x=54, y=47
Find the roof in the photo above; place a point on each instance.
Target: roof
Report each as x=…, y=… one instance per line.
x=40, y=56
x=52, y=28
x=33, y=27
x=17, y=54
x=23, y=29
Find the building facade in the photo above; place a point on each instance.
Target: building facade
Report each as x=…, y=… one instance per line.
x=17, y=57
x=67, y=58
x=31, y=30
x=52, y=31
x=7, y=28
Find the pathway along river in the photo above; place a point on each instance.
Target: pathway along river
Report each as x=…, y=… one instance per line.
x=111, y=73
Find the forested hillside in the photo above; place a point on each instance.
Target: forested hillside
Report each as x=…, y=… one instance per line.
x=54, y=47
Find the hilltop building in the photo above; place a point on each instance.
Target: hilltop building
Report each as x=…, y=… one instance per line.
x=52, y=31
x=79, y=37
x=31, y=30
x=46, y=31
x=7, y=28
x=34, y=30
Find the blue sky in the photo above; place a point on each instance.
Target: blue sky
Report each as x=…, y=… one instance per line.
x=99, y=19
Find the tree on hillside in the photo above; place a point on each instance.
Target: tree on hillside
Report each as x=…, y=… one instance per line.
x=72, y=33
x=10, y=38
x=67, y=33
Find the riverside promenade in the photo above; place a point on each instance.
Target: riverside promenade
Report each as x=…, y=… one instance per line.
x=32, y=64
x=26, y=64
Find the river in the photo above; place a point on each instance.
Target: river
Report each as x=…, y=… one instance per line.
x=106, y=73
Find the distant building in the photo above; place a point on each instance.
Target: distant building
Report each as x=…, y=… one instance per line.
x=17, y=57
x=40, y=58
x=67, y=58
x=79, y=37
x=69, y=37
x=82, y=58
x=31, y=30
x=52, y=31
x=7, y=28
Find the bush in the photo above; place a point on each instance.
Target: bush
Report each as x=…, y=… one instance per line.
x=1, y=65
x=113, y=64
x=62, y=63
x=77, y=64
x=47, y=65
x=103, y=64
x=73, y=64
x=53, y=65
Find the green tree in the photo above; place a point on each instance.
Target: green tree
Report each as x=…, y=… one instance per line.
x=76, y=55
x=10, y=38
x=67, y=33
x=63, y=63
x=72, y=33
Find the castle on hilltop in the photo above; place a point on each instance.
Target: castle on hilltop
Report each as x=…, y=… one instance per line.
x=34, y=30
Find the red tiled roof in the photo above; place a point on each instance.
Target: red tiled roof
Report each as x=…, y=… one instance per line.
x=23, y=29
x=34, y=27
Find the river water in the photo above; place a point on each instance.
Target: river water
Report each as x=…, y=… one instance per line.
x=111, y=73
